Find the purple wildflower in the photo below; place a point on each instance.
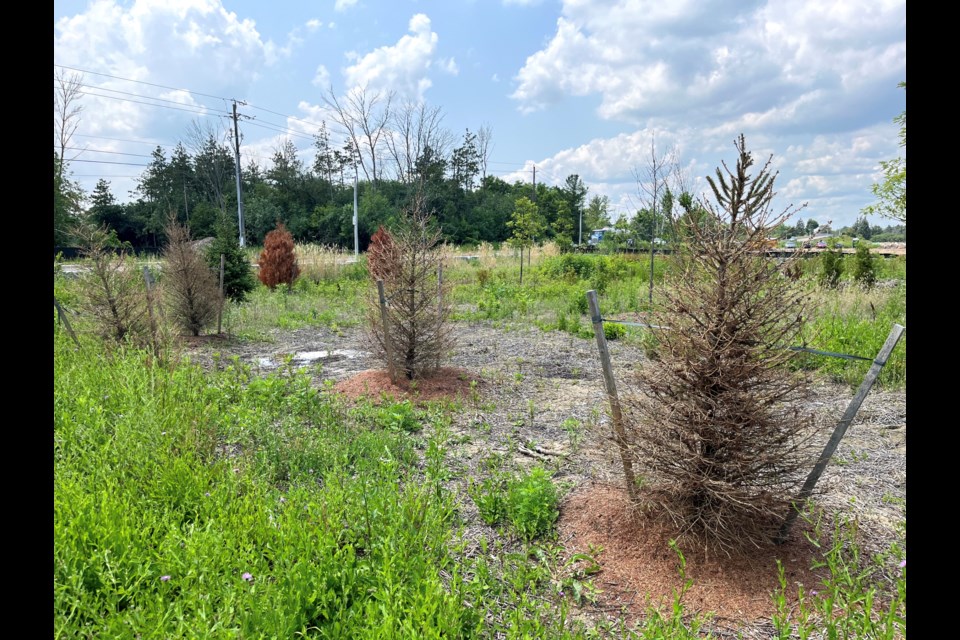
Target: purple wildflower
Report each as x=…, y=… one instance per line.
x=247, y=576
x=903, y=563
x=164, y=578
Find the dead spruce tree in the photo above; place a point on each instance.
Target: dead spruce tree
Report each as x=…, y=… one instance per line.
x=112, y=291
x=715, y=425
x=189, y=286
x=410, y=260
x=278, y=260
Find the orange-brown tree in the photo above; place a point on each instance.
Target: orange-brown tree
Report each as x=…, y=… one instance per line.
x=380, y=258
x=278, y=260
x=717, y=424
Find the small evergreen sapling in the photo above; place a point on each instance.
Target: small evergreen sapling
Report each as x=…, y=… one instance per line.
x=864, y=267
x=238, y=278
x=409, y=260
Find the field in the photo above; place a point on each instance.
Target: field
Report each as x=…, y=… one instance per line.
x=271, y=482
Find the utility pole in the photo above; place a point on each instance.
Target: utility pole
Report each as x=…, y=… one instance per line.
x=356, y=233
x=236, y=148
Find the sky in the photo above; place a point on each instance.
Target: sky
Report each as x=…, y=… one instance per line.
x=596, y=88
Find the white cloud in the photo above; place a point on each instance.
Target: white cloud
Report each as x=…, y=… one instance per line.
x=343, y=5
x=522, y=3
x=204, y=47
x=314, y=24
x=495, y=78
x=448, y=65
x=646, y=59
x=402, y=67
x=194, y=45
x=322, y=77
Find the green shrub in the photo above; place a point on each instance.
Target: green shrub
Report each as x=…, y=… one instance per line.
x=864, y=267
x=532, y=504
x=614, y=330
x=568, y=266
x=831, y=269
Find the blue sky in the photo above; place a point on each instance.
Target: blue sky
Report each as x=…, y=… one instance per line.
x=571, y=86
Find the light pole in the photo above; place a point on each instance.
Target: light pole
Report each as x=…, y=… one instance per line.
x=356, y=234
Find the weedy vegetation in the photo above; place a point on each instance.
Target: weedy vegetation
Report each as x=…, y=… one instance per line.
x=221, y=503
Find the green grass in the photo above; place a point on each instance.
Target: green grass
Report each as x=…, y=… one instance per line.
x=330, y=304
x=218, y=504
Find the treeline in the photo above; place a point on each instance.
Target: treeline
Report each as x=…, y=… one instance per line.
x=197, y=183
x=860, y=229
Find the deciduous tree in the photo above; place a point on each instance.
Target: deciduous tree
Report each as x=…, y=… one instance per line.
x=891, y=191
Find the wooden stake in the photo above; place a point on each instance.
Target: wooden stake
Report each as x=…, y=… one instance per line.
x=840, y=429
x=616, y=415
x=148, y=280
x=62, y=316
x=220, y=312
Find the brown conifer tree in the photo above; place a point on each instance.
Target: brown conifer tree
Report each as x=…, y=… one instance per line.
x=718, y=427
x=189, y=285
x=278, y=260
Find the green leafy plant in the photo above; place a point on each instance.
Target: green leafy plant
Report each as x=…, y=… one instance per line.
x=859, y=598
x=532, y=504
x=614, y=330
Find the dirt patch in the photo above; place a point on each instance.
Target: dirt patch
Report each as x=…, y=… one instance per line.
x=539, y=399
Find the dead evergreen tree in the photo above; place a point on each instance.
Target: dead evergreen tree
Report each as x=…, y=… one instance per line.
x=381, y=256
x=278, y=260
x=112, y=291
x=409, y=261
x=715, y=425
x=190, y=287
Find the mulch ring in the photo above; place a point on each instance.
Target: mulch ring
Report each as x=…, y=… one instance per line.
x=639, y=570
x=447, y=383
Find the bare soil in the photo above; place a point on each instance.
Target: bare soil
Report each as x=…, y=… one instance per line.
x=535, y=397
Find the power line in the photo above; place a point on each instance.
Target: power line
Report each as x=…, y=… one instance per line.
x=137, y=95
x=283, y=115
x=87, y=135
x=287, y=131
x=149, y=104
x=119, y=153
x=131, y=164
x=107, y=75
x=99, y=175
